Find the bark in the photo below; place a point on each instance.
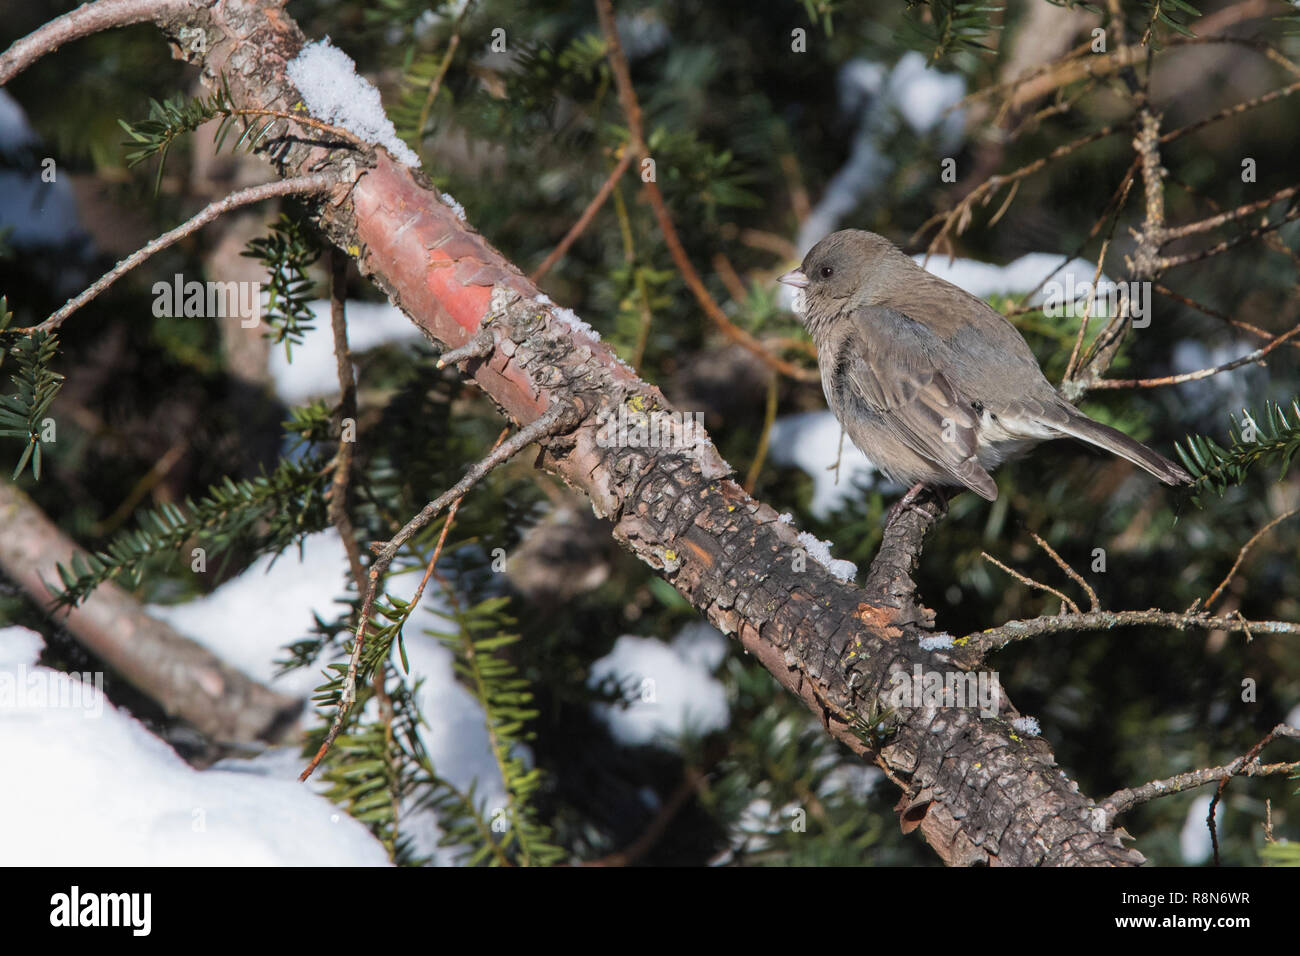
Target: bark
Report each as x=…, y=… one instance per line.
x=978, y=792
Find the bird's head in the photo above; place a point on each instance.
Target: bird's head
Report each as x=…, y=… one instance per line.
x=847, y=266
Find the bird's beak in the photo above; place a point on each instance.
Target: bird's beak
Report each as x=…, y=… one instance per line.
x=794, y=277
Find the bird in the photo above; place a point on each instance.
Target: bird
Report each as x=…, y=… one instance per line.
x=931, y=383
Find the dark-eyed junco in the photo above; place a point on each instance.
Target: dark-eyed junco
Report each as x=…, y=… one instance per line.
x=933, y=385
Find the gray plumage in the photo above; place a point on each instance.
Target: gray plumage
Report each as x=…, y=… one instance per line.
x=934, y=385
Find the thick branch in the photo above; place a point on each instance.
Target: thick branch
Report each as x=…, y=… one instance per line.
x=82, y=22
x=184, y=678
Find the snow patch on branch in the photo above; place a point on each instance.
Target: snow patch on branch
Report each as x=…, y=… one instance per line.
x=333, y=92
x=820, y=551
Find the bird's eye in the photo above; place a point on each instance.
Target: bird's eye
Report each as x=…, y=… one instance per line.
x=827, y=272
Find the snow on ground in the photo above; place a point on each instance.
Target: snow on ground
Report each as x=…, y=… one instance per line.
x=106, y=791
x=98, y=791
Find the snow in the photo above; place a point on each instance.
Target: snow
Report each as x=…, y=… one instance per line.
x=676, y=690
x=984, y=279
x=313, y=371
x=38, y=213
x=248, y=620
x=820, y=551
x=104, y=791
x=810, y=441
x=456, y=207
x=1027, y=726
x=333, y=92
x=1194, y=840
x=924, y=97
x=879, y=97
x=568, y=317
x=939, y=642
x=115, y=794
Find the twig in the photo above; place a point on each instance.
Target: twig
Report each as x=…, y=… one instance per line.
x=479, y=345
x=1123, y=800
x=1145, y=263
x=769, y=418
x=1254, y=356
x=1170, y=262
x=995, y=638
x=1213, y=222
x=1216, y=314
x=245, y=197
x=86, y=19
x=632, y=112
x=436, y=84
x=1023, y=579
x=588, y=214
x=985, y=189
x=304, y=120
x=431, y=569
x=1281, y=730
x=691, y=782
x=1094, y=604
x=1241, y=555
x=1233, y=110
x=550, y=421
x=347, y=410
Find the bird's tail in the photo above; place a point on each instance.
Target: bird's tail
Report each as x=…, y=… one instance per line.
x=1079, y=425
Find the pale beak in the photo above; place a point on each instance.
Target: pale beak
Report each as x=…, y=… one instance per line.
x=794, y=278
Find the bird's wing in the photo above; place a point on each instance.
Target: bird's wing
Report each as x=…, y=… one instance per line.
x=890, y=361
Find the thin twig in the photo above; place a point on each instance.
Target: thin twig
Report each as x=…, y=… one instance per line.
x=1213, y=222
x=1145, y=263
x=632, y=112
x=1281, y=730
x=1094, y=604
x=1216, y=314
x=1023, y=579
x=436, y=84
x=1170, y=262
x=998, y=637
x=347, y=411
x=245, y=197
x=431, y=569
x=769, y=418
x=1241, y=555
x=1123, y=800
x=984, y=190
x=1233, y=110
x=550, y=421
x=588, y=214
x=86, y=19
x=1254, y=356
x=305, y=120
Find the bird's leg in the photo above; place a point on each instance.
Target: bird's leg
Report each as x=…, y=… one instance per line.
x=909, y=501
